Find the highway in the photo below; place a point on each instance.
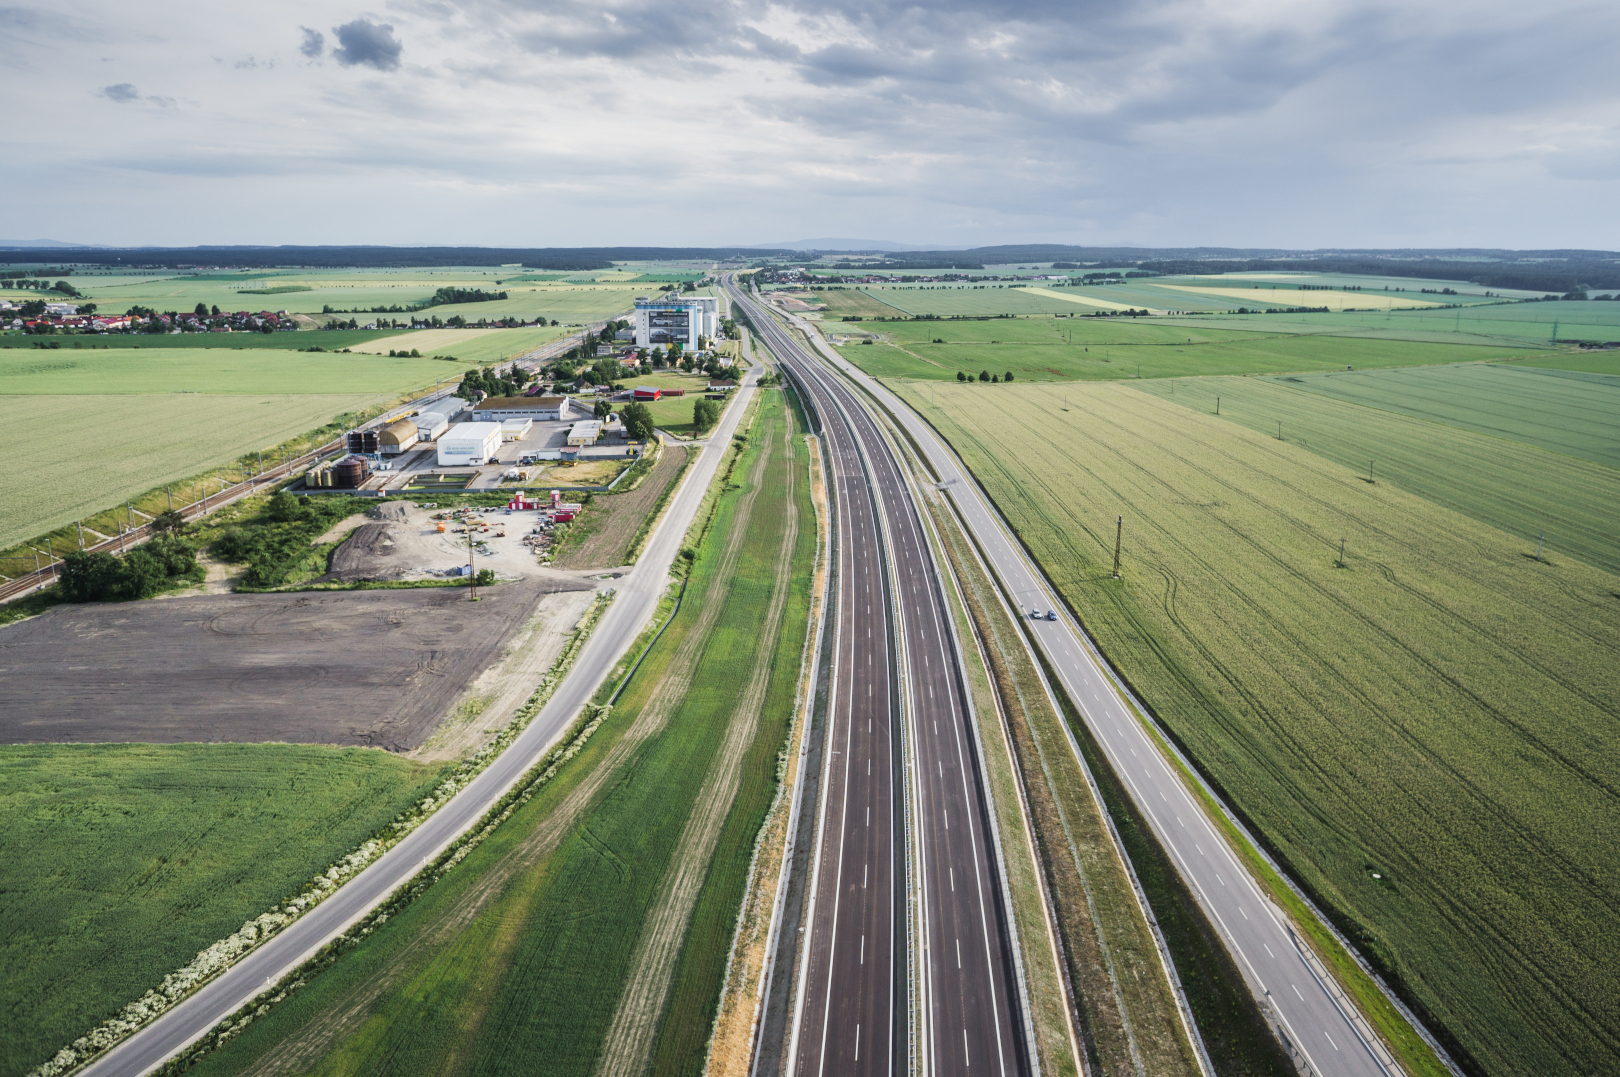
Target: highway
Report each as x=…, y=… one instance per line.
x=897, y=698
x=637, y=596
x=1328, y=1035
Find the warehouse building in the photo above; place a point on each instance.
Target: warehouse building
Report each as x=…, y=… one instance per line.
x=682, y=321
x=515, y=429
x=430, y=424
x=469, y=443
x=538, y=408
x=396, y=437
x=585, y=433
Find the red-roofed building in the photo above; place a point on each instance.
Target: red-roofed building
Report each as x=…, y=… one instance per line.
x=645, y=393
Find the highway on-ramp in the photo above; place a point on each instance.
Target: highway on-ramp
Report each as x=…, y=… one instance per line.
x=959, y=968
x=637, y=596
x=1331, y=1038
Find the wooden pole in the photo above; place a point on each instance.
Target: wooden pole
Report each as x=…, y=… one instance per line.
x=1119, y=531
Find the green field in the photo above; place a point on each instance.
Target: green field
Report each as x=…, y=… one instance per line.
x=1488, y=322
x=1573, y=413
x=541, y=944
x=1445, y=711
x=1523, y=490
x=120, y=862
x=50, y=482
x=96, y=428
x=309, y=291
x=254, y=372
x=468, y=345
x=330, y=339
x=1091, y=349
x=1590, y=362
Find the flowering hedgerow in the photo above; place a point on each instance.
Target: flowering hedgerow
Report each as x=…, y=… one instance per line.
x=224, y=953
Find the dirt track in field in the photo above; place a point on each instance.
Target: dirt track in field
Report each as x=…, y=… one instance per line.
x=370, y=668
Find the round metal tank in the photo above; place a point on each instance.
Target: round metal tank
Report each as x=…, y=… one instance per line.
x=349, y=473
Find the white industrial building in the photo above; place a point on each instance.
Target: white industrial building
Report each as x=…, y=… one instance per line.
x=469, y=443
x=539, y=408
x=676, y=320
x=430, y=424
x=585, y=433
x=515, y=429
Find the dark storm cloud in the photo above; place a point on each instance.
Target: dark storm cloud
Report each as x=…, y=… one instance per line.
x=365, y=42
x=314, y=43
x=123, y=93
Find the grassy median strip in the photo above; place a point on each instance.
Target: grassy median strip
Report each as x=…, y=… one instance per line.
x=525, y=949
x=1127, y=1012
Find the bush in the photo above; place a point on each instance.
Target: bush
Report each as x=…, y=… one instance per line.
x=638, y=421
x=485, y=577
x=705, y=413
x=144, y=571
x=285, y=508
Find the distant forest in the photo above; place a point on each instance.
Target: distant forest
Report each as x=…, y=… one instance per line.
x=1555, y=271
x=555, y=259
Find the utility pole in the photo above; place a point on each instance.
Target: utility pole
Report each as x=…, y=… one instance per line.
x=1119, y=531
x=1539, y=543
x=1279, y=429
x=80, y=525
x=1341, y=553
x=1369, y=471
x=472, y=576
x=1217, y=405
x=169, y=493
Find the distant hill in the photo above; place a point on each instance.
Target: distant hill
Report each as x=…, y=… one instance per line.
x=841, y=246
x=41, y=244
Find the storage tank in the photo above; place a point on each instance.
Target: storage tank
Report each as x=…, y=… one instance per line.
x=350, y=472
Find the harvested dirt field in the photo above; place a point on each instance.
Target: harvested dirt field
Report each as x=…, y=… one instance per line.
x=612, y=520
x=371, y=668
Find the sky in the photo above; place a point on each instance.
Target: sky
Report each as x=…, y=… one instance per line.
x=1281, y=123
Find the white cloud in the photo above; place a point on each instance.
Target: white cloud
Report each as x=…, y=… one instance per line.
x=1284, y=122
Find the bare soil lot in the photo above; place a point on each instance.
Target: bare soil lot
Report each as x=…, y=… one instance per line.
x=369, y=668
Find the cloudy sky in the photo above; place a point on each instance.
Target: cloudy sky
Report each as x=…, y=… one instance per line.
x=1293, y=123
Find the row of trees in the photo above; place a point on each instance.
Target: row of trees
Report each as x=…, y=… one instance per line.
x=61, y=286
x=985, y=375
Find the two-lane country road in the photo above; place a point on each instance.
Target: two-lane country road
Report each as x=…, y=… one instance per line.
x=637, y=597
x=964, y=985
x=1333, y=1039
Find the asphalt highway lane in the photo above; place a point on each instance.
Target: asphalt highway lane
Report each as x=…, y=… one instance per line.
x=853, y=997
x=1323, y=1027
x=637, y=597
x=966, y=981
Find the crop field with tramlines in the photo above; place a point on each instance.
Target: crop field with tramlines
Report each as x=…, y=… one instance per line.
x=470, y=345
x=120, y=862
x=1095, y=349
x=1524, y=490
x=93, y=429
x=48, y=484
x=592, y=928
x=1426, y=736
x=1569, y=412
